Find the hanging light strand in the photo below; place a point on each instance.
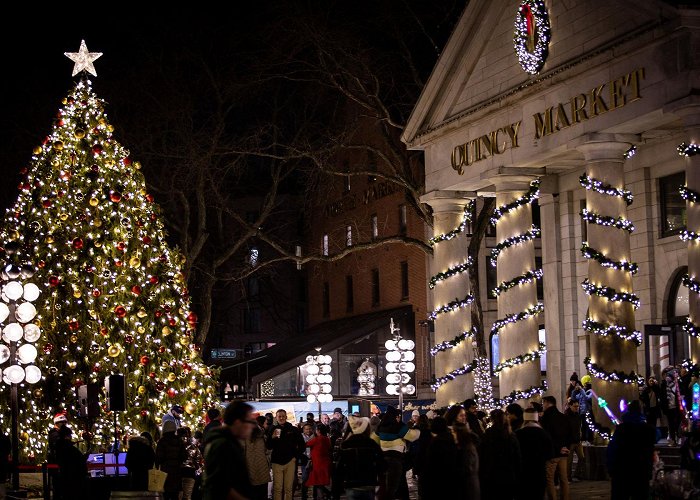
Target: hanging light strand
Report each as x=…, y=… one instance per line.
x=604, y=220
x=605, y=329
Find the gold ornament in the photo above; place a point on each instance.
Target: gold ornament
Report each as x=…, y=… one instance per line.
x=114, y=350
x=204, y=371
x=79, y=133
x=172, y=377
x=38, y=393
x=92, y=313
x=94, y=202
x=37, y=150
x=49, y=239
x=142, y=390
x=102, y=121
x=141, y=313
x=184, y=340
x=97, y=243
x=141, y=329
x=110, y=128
x=134, y=262
x=58, y=145
x=63, y=216
x=210, y=390
x=166, y=331
x=24, y=436
x=137, y=165
x=74, y=338
x=190, y=408
x=143, y=192
x=97, y=223
x=193, y=384
x=77, y=293
x=72, y=365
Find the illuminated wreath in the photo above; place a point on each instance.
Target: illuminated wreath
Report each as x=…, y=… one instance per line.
x=532, y=35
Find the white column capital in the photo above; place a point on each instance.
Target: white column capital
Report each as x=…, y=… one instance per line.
x=688, y=110
x=448, y=201
x=605, y=147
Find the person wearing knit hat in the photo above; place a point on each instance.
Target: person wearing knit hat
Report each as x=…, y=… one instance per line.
x=574, y=384
x=414, y=417
x=536, y=449
x=170, y=454
x=361, y=463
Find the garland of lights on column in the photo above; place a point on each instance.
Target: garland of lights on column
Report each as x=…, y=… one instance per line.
x=690, y=196
x=462, y=370
x=466, y=219
x=525, y=394
x=450, y=344
x=529, y=276
x=452, y=271
x=451, y=306
x=609, y=293
x=688, y=149
x=691, y=284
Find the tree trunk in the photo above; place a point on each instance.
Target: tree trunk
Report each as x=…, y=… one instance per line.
x=478, y=232
x=204, y=297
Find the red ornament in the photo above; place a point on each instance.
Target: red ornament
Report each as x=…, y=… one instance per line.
x=153, y=280
x=77, y=382
x=172, y=322
x=186, y=368
x=41, y=264
x=74, y=325
x=166, y=308
x=26, y=186
x=89, y=269
x=60, y=194
x=78, y=243
x=48, y=347
x=152, y=375
x=161, y=349
x=162, y=257
x=96, y=368
x=171, y=393
x=129, y=339
x=96, y=149
x=53, y=281
x=23, y=171
x=120, y=311
x=46, y=203
x=158, y=313
x=61, y=123
x=126, y=161
x=104, y=332
x=144, y=413
x=192, y=318
x=118, y=263
x=115, y=196
x=96, y=293
x=95, y=168
x=154, y=217
x=160, y=386
x=149, y=198
x=144, y=360
x=126, y=196
x=136, y=290
x=146, y=239
x=121, y=246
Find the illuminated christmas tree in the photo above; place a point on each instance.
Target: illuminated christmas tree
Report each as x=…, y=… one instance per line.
x=113, y=296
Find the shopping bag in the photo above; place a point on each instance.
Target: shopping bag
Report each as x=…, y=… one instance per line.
x=156, y=480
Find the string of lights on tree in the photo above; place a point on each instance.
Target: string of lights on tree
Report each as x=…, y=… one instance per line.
x=450, y=344
x=532, y=16
x=466, y=220
x=610, y=293
x=522, y=358
x=604, y=220
x=116, y=299
x=524, y=278
x=453, y=271
x=451, y=306
x=515, y=317
x=529, y=235
x=457, y=372
x=688, y=149
x=600, y=187
x=606, y=329
x=531, y=195
x=619, y=265
x=689, y=194
x=483, y=389
x=612, y=376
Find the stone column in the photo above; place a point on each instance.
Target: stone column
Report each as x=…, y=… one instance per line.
x=604, y=156
x=448, y=215
x=518, y=337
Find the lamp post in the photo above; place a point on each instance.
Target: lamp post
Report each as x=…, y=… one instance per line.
x=400, y=365
x=318, y=379
x=18, y=336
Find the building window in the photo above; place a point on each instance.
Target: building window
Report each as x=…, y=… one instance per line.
x=349, y=298
x=375, y=226
x=673, y=215
x=495, y=351
x=297, y=252
x=491, y=279
x=536, y=219
x=678, y=300
x=348, y=236
x=543, y=359
x=375, y=287
x=403, y=220
x=324, y=245
x=404, y=280
x=326, y=300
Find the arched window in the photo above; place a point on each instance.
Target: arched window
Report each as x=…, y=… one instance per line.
x=678, y=299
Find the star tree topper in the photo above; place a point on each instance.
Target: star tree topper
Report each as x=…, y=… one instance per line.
x=83, y=59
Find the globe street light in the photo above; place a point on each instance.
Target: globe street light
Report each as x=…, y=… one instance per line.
x=400, y=365
x=318, y=379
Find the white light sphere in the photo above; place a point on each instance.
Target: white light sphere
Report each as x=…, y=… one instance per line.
x=314, y=388
x=27, y=354
x=4, y=312
x=393, y=356
x=407, y=367
x=5, y=379
x=408, y=356
x=311, y=379
x=14, y=373
x=392, y=390
x=13, y=290
x=325, y=398
x=390, y=345
x=325, y=368
x=312, y=369
x=311, y=398
x=12, y=271
x=309, y=359
x=405, y=378
x=403, y=344
x=25, y=312
x=31, y=292
x=12, y=332
x=393, y=378
x=326, y=388
x=327, y=359
x=392, y=367
x=410, y=389
x=31, y=332
x=4, y=353
x=411, y=344
x=32, y=374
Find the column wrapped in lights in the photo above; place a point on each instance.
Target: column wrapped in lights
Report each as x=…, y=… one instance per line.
x=319, y=378
x=400, y=366
x=610, y=321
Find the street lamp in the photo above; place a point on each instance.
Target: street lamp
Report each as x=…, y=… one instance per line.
x=400, y=365
x=19, y=333
x=318, y=379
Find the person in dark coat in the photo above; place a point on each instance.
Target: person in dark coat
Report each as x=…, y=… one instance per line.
x=72, y=466
x=574, y=418
x=286, y=444
x=652, y=399
x=556, y=424
x=214, y=416
x=514, y=412
x=361, y=465
x=170, y=454
x=225, y=470
x=630, y=455
x=439, y=477
x=499, y=460
x=140, y=458
x=536, y=450
x=467, y=462
x=472, y=417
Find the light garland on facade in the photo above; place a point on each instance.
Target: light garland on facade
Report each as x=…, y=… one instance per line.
x=531, y=195
x=604, y=220
x=452, y=306
x=688, y=149
x=453, y=271
x=531, y=35
x=466, y=219
x=524, y=278
x=691, y=284
x=515, y=317
x=618, y=265
x=686, y=235
x=463, y=370
x=524, y=394
x=596, y=428
x=450, y=344
x=689, y=194
x=691, y=328
x=519, y=239
x=613, y=376
x=592, y=184
x=630, y=152
x=522, y=358
x=610, y=293
x=604, y=330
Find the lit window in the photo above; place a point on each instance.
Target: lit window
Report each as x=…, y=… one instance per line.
x=375, y=227
x=298, y=254
x=324, y=247
x=253, y=257
x=673, y=214
x=348, y=236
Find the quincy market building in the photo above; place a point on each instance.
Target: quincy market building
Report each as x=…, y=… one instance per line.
x=592, y=106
